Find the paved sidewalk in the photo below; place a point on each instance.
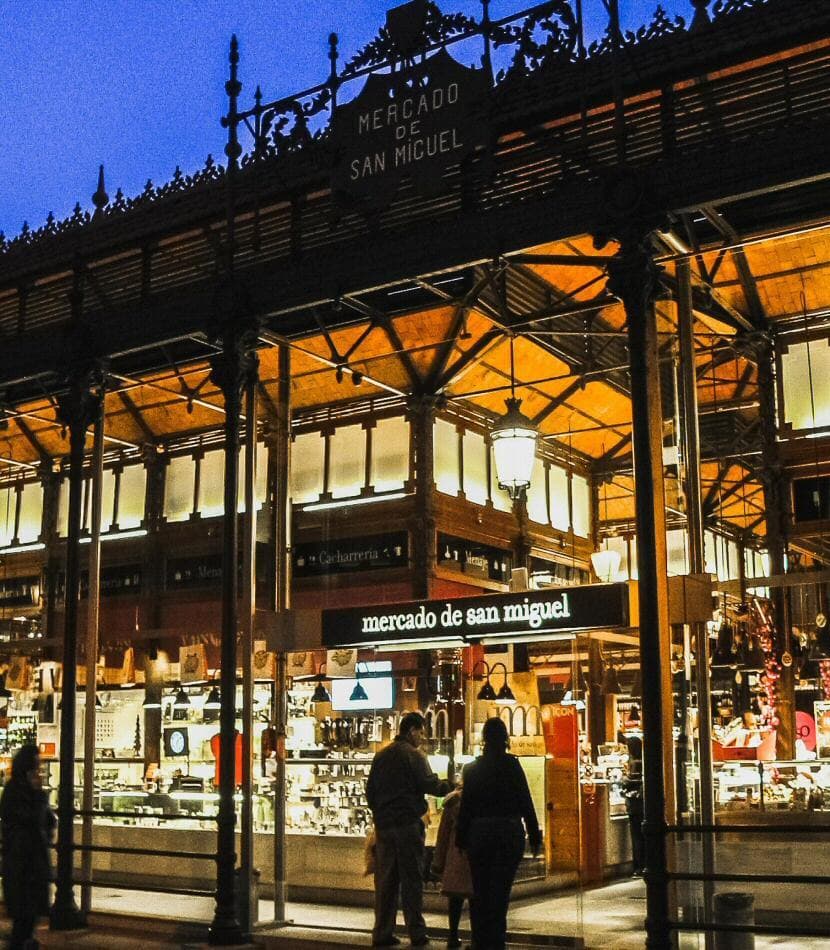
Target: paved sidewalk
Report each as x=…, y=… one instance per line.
x=604, y=918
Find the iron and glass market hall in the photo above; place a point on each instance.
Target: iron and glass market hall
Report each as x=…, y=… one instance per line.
x=489, y=377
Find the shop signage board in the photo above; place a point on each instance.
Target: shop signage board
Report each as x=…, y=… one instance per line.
x=374, y=552
x=414, y=123
x=474, y=560
x=20, y=591
x=472, y=619
x=115, y=579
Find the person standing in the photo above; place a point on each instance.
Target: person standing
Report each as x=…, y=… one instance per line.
x=633, y=790
x=450, y=863
x=399, y=779
x=494, y=805
x=27, y=826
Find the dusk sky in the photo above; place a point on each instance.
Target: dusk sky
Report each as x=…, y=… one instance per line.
x=138, y=84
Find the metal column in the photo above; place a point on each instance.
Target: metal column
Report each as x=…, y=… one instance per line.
x=632, y=278
x=694, y=521
x=248, y=915
x=93, y=605
x=77, y=409
x=282, y=604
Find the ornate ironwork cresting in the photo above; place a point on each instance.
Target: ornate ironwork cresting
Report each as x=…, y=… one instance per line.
x=543, y=41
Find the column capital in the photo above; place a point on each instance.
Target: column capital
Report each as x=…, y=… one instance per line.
x=79, y=405
x=236, y=364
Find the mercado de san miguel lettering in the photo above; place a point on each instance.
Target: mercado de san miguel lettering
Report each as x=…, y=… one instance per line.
x=488, y=377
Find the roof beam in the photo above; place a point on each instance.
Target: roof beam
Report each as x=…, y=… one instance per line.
x=749, y=287
x=33, y=440
x=135, y=414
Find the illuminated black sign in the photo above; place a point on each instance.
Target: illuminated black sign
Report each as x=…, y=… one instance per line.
x=595, y=606
x=351, y=554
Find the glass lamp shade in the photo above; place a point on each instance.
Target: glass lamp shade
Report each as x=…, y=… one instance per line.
x=182, y=700
x=213, y=701
x=321, y=694
x=505, y=697
x=359, y=694
x=606, y=564
x=487, y=693
x=514, y=449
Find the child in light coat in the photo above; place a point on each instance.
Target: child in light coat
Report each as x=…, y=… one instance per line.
x=451, y=865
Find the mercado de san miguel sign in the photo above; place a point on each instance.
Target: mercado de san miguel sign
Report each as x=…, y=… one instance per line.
x=593, y=607
x=414, y=123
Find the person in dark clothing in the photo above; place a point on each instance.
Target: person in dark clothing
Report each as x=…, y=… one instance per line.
x=27, y=826
x=633, y=790
x=495, y=802
x=399, y=779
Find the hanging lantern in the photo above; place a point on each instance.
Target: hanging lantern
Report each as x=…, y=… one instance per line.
x=514, y=443
x=514, y=448
x=606, y=563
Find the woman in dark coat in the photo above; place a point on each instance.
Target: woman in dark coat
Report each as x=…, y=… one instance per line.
x=495, y=803
x=27, y=825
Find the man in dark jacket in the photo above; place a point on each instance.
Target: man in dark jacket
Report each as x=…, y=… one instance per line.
x=27, y=823
x=399, y=779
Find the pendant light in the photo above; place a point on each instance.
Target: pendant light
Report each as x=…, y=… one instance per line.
x=610, y=680
x=514, y=443
x=213, y=701
x=359, y=694
x=151, y=701
x=182, y=700
x=320, y=694
x=504, y=697
x=486, y=694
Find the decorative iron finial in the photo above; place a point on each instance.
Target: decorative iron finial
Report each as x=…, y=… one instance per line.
x=100, y=199
x=701, y=17
x=233, y=87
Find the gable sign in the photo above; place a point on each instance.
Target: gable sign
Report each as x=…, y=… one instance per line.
x=412, y=124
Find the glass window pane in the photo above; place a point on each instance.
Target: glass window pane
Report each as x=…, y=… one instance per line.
x=581, y=497
x=31, y=513
x=559, y=514
x=179, y=485
x=107, y=499
x=63, y=508
x=710, y=559
x=347, y=461
x=798, y=365
x=307, y=454
x=390, y=454
x=475, y=467
x=8, y=509
x=676, y=551
x=447, y=475
x=260, y=478
x=131, y=497
x=212, y=484
x=537, y=500
x=619, y=545
x=633, y=571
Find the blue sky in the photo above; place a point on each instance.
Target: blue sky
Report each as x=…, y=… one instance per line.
x=138, y=84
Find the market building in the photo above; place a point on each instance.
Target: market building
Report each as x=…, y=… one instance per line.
x=486, y=378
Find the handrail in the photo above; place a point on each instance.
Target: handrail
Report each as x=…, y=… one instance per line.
x=135, y=814
x=147, y=852
x=749, y=878
x=770, y=929
x=747, y=829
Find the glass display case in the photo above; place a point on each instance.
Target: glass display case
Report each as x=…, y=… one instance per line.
x=327, y=796
x=772, y=786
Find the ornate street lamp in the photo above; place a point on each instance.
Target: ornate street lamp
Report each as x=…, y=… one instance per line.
x=514, y=443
